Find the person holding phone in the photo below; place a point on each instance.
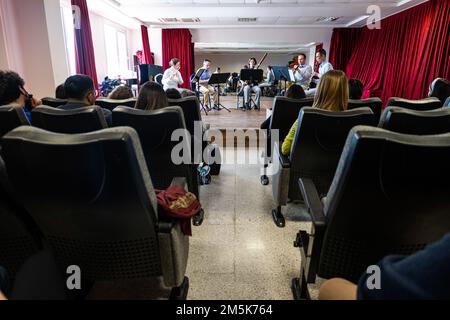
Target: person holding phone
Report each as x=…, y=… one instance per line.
x=12, y=92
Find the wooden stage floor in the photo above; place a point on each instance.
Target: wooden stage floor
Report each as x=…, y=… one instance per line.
x=237, y=119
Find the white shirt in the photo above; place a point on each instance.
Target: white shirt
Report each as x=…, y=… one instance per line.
x=172, y=79
x=303, y=75
x=324, y=68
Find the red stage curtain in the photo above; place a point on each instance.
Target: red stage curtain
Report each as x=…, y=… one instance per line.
x=148, y=59
x=402, y=58
x=84, y=47
x=177, y=43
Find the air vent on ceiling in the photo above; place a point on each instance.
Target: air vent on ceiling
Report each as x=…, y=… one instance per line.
x=327, y=19
x=247, y=20
x=176, y=20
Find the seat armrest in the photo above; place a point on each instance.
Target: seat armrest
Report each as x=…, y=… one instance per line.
x=312, y=201
x=285, y=162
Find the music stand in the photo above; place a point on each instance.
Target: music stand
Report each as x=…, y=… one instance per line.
x=283, y=74
x=196, y=82
x=251, y=76
x=216, y=80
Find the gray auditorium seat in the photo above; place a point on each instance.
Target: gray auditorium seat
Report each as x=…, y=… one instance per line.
x=419, y=105
x=111, y=104
x=375, y=104
x=93, y=199
x=389, y=197
x=11, y=117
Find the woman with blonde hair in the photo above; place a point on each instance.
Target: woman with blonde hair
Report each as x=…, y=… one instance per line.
x=332, y=95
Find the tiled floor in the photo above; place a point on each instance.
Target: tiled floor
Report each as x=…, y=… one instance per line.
x=239, y=253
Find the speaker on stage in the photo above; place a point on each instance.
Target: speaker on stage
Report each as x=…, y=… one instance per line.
x=149, y=72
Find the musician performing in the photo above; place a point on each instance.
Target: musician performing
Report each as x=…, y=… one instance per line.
x=205, y=88
x=253, y=86
x=303, y=72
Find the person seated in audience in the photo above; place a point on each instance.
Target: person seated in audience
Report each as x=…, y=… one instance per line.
x=440, y=88
x=294, y=92
x=4, y=283
x=356, y=89
x=172, y=77
x=423, y=275
x=173, y=94
x=152, y=97
x=60, y=92
x=332, y=94
x=81, y=93
x=121, y=93
x=13, y=93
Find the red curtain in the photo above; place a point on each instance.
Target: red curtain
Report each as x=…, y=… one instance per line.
x=403, y=57
x=177, y=43
x=148, y=59
x=84, y=47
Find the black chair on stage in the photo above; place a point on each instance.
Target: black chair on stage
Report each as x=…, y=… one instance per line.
x=111, y=104
x=155, y=130
x=11, y=117
x=315, y=154
x=53, y=102
x=375, y=104
x=284, y=113
x=416, y=122
x=419, y=105
x=389, y=197
x=81, y=120
x=94, y=202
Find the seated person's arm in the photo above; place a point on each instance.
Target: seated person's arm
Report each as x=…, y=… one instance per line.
x=338, y=289
x=287, y=144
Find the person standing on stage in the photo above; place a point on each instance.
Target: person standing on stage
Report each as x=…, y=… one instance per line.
x=303, y=73
x=252, y=87
x=172, y=77
x=205, y=88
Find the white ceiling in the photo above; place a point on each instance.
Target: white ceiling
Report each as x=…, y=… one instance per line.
x=268, y=13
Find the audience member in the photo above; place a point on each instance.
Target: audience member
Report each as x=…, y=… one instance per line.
x=60, y=92
x=423, y=275
x=81, y=93
x=12, y=92
x=294, y=92
x=356, y=89
x=440, y=88
x=121, y=93
x=173, y=94
x=152, y=97
x=332, y=94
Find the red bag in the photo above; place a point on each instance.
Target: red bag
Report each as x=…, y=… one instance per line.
x=179, y=204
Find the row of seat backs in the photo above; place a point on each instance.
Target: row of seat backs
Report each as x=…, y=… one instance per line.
x=105, y=103
x=389, y=196
x=92, y=198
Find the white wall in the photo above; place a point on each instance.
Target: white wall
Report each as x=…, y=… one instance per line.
x=155, y=35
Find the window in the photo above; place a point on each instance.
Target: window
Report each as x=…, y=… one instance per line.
x=69, y=35
x=116, y=52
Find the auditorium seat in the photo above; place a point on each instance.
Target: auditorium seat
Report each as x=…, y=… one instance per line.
x=53, y=102
x=316, y=151
x=389, y=196
x=375, y=104
x=11, y=117
x=155, y=130
x=93, y=199
x=419, y=105
x=19, y=238
x=284, y=113
x=192, y=116
x=81, y=120
x=111, y=104
x=416, y=122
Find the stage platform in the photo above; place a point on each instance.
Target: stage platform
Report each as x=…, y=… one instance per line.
x=237, y=119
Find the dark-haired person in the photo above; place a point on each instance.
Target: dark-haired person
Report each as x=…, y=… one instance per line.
x=13, y=93
x=205, y=88
x=303, y=73
x=324, y=65
x=60, y=92
x=294, y=92
x=81, y=93
x=152, y=97
x=252, y=87
x=440, y=88
x=173, y=94
x=121, y=93
x=172, y=78
x=422, y=276
x=356, y=89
